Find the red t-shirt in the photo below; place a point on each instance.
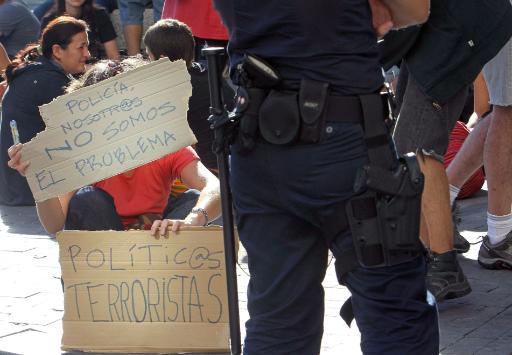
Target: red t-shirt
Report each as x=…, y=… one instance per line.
x=199, y=15
x=147, y=190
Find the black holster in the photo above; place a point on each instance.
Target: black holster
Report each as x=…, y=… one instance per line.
x=384, y=216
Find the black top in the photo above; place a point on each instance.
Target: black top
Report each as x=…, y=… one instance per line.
x=326, y=40
x=101, y=30
x=197, y=115
x=199, y=111
x=34, y=85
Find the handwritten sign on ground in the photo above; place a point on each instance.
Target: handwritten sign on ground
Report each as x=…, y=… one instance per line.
x=113, y=126
x=127, y=292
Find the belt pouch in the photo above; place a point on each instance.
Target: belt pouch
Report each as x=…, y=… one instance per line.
x=248, y=129
x=279, y=119
x=312, y=102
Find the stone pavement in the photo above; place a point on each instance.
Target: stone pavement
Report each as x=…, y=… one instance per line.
x=31, y=298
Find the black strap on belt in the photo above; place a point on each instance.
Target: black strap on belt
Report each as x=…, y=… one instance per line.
x=376, y=134
x=370, y=110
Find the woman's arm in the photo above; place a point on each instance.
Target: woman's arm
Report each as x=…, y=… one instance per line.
x=107, y=33
x=111, y=50
x=196, y=176
x=52, y=212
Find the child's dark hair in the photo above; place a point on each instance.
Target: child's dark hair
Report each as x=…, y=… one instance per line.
x=105, y=69
x=60, y=31
x=170, y=38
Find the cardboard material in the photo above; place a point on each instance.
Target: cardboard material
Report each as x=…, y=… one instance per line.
x=110, y=127
x=128, y=292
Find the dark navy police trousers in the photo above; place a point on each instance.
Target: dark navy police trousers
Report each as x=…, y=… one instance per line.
x=277, y=192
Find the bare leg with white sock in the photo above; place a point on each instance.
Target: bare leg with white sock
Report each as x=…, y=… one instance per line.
x=496, y=249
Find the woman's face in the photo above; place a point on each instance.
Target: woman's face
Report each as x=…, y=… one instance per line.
x=73, y=58
x=74, y=3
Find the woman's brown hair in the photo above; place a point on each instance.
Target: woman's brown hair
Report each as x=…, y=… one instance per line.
x=60, y=31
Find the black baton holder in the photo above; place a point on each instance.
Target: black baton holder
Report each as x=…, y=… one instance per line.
x=220, y=121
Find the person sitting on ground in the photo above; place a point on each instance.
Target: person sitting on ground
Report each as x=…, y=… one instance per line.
x=37, y=75
x=18, y=26
x=102, y=35
x=137, y=197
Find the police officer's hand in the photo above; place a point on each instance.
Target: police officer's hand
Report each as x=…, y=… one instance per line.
x=15, y=161
x=381, y=18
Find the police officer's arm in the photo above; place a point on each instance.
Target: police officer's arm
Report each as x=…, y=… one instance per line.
x=408, y=12
x=52, y=212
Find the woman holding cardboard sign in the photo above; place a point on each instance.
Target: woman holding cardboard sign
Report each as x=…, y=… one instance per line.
x=35, y=77
x=139, y=197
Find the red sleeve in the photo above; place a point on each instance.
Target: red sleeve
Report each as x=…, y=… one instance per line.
x=175, y=162
x=199, y=15
x=168, y=9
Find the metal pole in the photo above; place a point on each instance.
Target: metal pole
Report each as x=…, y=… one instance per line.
x=219, y=120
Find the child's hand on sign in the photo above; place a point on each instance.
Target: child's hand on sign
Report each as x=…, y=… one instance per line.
x=160, y=227
x=15, y=161
x=197, y=217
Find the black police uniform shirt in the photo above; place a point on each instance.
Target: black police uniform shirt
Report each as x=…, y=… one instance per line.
x=325, y=40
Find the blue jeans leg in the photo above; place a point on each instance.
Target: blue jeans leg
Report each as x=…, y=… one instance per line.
x=92, y=209
x=131, y=12
x=157, y=9
x=178, y=207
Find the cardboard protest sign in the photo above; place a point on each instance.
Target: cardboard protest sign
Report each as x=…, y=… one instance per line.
x=128, y=292
x=113, y=126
